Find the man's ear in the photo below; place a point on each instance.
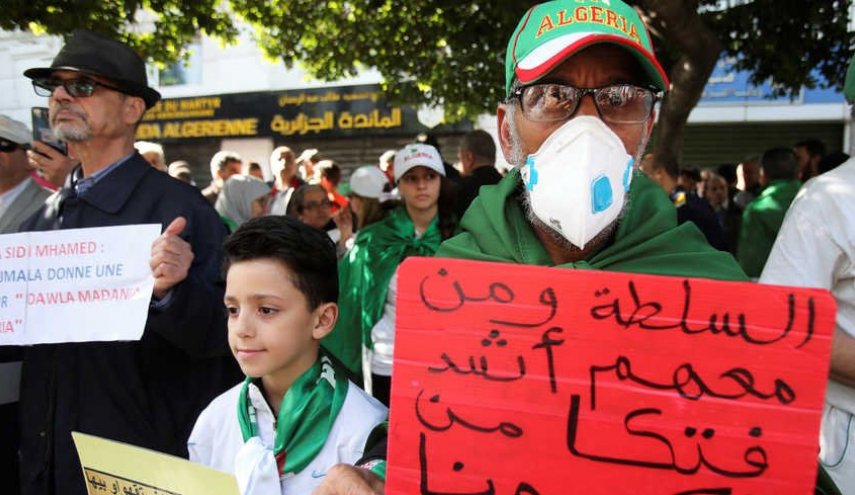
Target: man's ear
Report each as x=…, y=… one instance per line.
x=326, y=316
x=650, y=122
x=504, y=127
x=134, y=107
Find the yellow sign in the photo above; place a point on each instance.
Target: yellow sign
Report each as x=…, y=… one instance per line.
x=328, y=112
x=188, y=108
x=299, y=99
x=116, y=468
x=303, y=124
x=198, y=129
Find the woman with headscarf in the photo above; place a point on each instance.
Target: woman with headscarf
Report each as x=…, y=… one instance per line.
x=243, y=197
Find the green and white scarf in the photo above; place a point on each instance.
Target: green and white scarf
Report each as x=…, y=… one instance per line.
x=306, y=415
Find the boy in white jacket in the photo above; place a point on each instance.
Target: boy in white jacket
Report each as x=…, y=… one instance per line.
x=296, y=414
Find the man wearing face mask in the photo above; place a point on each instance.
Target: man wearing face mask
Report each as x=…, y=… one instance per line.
x=581, y=85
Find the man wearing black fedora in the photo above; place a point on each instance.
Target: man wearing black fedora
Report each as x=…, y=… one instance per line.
x=146, y=393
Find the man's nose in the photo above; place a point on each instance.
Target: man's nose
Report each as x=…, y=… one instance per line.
x=587, y=106
x=60, y=94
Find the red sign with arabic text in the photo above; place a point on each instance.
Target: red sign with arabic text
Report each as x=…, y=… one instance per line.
x=514, y=380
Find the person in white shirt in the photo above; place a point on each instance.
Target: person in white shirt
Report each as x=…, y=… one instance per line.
x=283, y=166
x=816, y=248
x=296, y=415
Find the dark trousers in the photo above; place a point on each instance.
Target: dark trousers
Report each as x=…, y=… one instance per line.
x=9, y=434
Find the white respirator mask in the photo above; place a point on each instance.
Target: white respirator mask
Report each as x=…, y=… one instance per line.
x=578, y=179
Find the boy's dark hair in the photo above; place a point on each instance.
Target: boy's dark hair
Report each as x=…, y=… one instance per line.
x=306, y=251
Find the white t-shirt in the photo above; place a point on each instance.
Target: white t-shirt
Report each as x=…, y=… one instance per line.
x=383, y=333
x=216, y=437
x=279, y=206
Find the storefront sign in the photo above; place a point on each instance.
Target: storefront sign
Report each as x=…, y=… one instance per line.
x=344, y=111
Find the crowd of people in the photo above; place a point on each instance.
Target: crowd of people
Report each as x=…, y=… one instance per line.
x=301, y=360
x=740, y=207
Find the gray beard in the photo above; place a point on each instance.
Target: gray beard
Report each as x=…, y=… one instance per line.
x=72, y=133
x=518, y=159
x=558, y=238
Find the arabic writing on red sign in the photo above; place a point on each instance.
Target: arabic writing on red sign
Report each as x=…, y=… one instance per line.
x=515, y=379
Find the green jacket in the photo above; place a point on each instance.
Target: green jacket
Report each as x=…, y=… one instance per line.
x=364, y=275
x=761, y=222
x=648, y=239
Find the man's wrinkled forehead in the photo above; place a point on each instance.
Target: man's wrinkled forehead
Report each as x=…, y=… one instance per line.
x=611, y=64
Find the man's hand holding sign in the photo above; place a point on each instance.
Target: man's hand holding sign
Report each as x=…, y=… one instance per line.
x=529, y=380
x=171, y=257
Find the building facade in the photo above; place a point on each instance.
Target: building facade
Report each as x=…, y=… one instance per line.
x=232, y=98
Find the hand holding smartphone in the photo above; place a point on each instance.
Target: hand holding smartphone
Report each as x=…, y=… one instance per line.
x=49, y=155
x=42, y=131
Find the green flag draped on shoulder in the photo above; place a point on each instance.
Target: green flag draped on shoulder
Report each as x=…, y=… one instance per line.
x=648, y=239
x=364, y=275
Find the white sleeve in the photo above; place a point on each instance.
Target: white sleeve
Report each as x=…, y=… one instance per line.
x=804, y=254
x=200, y=442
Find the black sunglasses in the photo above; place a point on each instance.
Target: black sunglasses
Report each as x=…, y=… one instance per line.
x=7, y=146
x=75, y=87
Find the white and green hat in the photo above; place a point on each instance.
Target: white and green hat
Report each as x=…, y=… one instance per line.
x=551, y=32
x=417, y=155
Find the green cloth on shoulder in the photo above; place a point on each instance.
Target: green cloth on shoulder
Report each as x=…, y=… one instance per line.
x=230, y=224
x=761, y=222
x=364, y=275
x=648, y=239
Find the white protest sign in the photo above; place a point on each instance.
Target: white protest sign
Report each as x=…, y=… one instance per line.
x=77, y=285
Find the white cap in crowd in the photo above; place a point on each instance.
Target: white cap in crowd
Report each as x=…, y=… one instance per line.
x=15, y=131
x=417, y=155
x=179, y=167
x=384, y=159
x=368, y=182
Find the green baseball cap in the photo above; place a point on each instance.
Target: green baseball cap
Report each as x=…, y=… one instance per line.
x=551, y=32
x=849, y=82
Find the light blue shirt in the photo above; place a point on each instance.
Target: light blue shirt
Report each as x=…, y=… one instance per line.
x=82, y=184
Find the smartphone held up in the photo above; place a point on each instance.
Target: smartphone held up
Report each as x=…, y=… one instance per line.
x=42, y=131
